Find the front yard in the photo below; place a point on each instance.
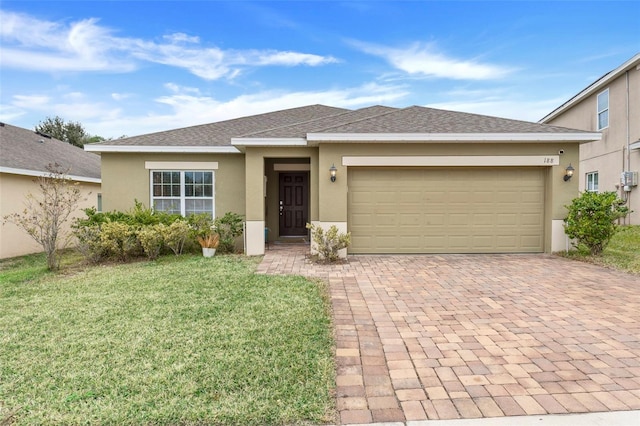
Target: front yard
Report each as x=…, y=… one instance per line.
x=181, y=340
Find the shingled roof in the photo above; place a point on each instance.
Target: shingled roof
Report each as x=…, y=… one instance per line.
x=221, y=132
x=417, y=119
x=318, y=121
x=24, y=151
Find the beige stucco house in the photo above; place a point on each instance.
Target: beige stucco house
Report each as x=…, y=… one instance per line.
x=610, y=105
x=409, y=180
x=24, y=157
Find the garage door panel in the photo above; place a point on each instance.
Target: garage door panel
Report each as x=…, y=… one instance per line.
x=453, y=210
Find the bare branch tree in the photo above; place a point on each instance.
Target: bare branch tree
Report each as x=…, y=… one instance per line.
x=44, y=215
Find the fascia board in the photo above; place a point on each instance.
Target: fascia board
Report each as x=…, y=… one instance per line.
x=163, y=149
x=453, y=137
x=268, y=142
x=36, y=173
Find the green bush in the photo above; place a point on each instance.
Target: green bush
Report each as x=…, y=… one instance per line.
x=176, y=235
x=151, y=238
x=329, y=243
x=229, y=227
x=591, y=220
x=90, y=243
x=119, y=241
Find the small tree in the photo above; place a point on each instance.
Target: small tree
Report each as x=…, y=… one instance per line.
x=591, y=220
x=43, y=216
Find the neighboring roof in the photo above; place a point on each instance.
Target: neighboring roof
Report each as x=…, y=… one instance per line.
x=219, y=134
x=596, y=86
x=26, y=152
x=300, y=126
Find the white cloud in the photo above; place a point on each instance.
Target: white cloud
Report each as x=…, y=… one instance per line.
x=121, y=96
x=423, y=59
x=33, y=44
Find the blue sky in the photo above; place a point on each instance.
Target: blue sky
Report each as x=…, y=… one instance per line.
x=134, y=67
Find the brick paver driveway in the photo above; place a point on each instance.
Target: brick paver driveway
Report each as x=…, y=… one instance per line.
x=466, y=336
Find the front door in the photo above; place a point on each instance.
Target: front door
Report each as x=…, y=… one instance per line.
x=294, y=203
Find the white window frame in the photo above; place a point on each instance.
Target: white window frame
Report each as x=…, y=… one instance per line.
x=603, y=110
x=590, y=179
x=183, y=198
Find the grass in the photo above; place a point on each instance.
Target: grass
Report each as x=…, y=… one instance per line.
x=623, y=251
x=181, y=340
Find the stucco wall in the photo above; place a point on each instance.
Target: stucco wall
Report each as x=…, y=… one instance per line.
x=609, y=156
x=13, y=189
x=126, y=179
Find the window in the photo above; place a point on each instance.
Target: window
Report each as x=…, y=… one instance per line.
x=603, y=110
x=592, y=182
x=182, y=192
x=99, y=203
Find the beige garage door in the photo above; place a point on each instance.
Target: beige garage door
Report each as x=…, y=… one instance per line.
x=446, y=210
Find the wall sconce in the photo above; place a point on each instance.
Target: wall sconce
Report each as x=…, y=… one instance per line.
x=332, y=172
x=568, y=172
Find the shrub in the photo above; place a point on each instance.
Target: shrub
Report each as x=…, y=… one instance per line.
x=151, y=238
x=329, y=243
x=591, y=220
x=90, y=243
x=228, y=227
x=175, y=236
x=119, y=240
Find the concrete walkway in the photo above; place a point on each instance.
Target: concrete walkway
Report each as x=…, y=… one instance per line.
x=440, y=337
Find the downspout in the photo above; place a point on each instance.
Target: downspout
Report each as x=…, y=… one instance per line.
x=627, y=195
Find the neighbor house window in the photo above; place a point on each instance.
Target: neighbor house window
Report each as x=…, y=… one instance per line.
x=603, y=110
x=182, y=192
x=99, y=202
x=592, y=182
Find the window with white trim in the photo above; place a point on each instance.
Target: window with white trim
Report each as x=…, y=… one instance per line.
x=603, y=110
x=183, y=192
x=592, y=182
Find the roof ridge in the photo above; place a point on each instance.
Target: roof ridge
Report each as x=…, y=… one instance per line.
x=284, y=126
x=394, y=110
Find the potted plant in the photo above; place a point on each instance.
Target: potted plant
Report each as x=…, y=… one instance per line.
x=209, y=244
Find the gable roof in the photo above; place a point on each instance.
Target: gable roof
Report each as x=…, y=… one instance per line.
x=305, y=126
x=596, y=86
x=26, y=152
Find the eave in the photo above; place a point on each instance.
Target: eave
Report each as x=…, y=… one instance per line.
x=37, y=173
x=162, y=149
x=454, y=137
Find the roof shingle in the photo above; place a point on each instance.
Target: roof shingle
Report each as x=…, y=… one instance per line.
x=27, y=150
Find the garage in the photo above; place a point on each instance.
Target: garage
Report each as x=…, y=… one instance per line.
x=446, y=209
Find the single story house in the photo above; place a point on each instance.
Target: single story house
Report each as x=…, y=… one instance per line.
x=610, y=105
x=401, y=180
x=24, y=157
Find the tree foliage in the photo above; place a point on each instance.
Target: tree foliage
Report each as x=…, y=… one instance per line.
x=44, y=215
x=591, y=219
x=66, y=131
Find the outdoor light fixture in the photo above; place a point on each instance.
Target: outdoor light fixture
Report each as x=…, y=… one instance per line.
x=332, y=172
x=568, y=172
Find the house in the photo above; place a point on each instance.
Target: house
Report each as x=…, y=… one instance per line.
x=24, y=157
x=610, y=105
x=401, y=180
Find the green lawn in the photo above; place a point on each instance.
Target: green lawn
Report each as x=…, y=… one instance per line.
x=183, y=340
x=623, y=251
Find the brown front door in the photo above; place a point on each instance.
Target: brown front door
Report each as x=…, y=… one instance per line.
x=294, y=203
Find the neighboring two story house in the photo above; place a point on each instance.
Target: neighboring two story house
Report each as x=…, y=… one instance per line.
x=610, y=105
